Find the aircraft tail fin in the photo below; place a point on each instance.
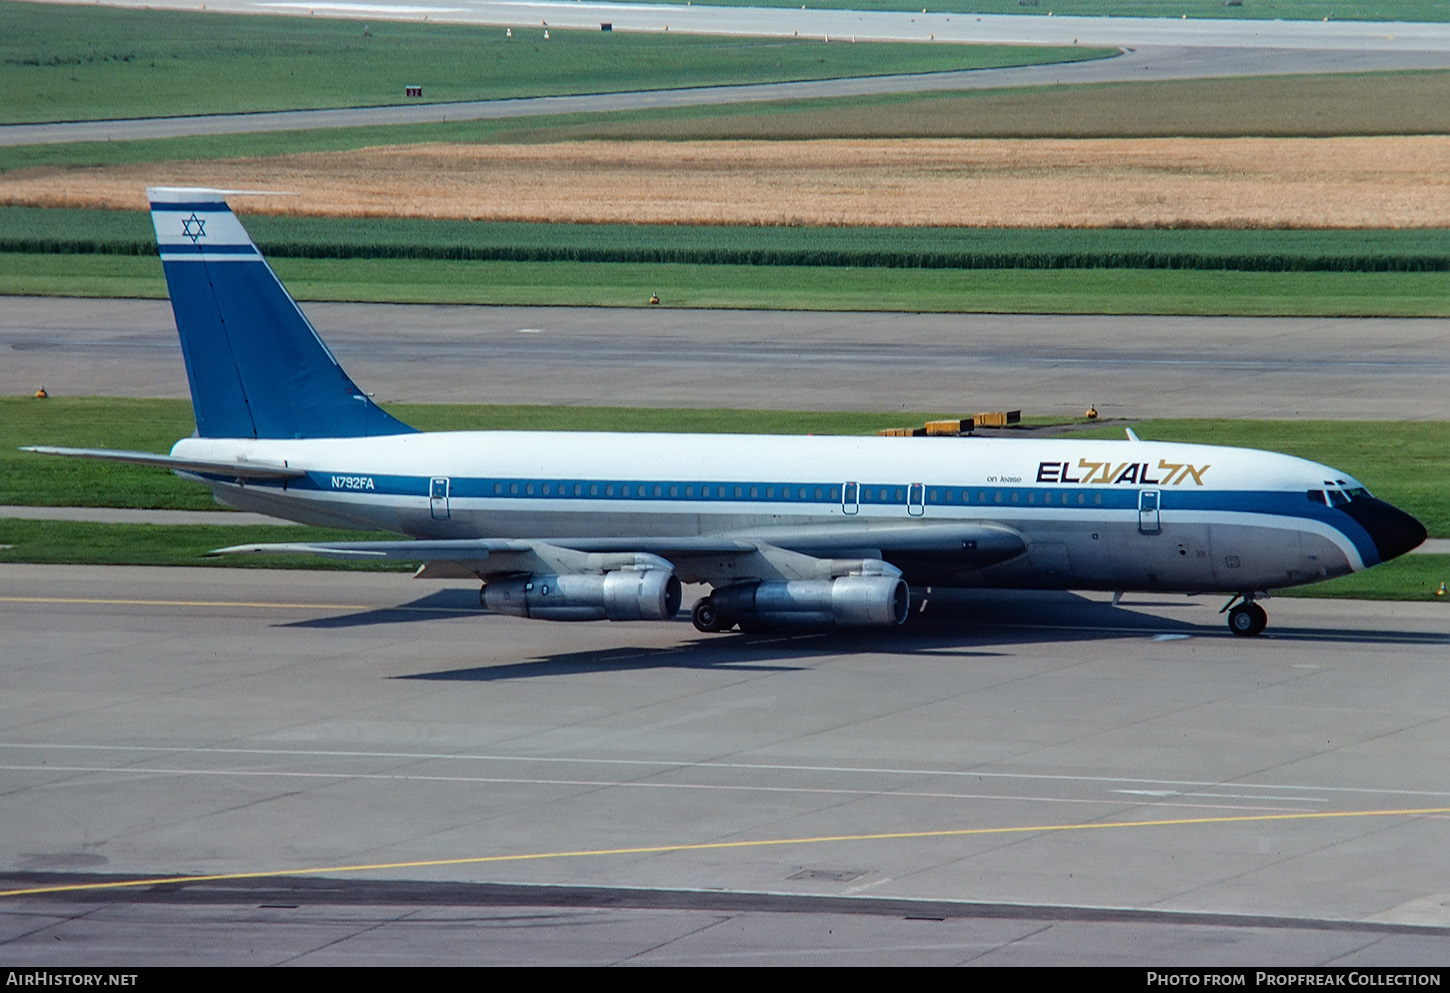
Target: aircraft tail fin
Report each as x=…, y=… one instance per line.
x=257, y=368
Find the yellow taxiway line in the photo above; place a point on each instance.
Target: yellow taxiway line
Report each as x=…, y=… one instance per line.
x=720, y=845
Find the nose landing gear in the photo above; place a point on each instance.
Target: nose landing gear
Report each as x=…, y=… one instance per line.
x=1247, y=619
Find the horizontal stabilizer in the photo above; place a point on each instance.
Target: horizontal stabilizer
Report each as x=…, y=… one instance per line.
x=231, y=470
x=369, y=551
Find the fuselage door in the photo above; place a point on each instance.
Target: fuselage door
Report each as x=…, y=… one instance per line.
x=438, y=498
x=1148, y=520
x=916, y=499
x=851, y=498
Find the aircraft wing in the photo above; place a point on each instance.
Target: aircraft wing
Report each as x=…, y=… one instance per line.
x=237, y=470
x=760, y=553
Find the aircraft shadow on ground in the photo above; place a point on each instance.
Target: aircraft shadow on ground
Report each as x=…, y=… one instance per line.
x=959, y=624
x=949, y=631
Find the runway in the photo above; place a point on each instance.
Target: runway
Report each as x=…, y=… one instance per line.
x=1012, y=779
x=1129, y=367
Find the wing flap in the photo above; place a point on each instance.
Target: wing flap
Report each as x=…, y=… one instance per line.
x=762, y=553
x=484, y=557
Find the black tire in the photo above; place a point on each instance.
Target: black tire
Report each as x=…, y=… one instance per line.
x=705, y=617
x=1247, y=620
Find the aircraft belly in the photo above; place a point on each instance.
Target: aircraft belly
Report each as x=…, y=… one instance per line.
x=1253, y=557
x=1183, y=557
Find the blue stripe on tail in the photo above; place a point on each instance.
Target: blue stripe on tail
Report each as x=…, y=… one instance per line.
x=256, y=366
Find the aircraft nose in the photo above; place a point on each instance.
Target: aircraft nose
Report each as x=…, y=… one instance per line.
x=1393, y=531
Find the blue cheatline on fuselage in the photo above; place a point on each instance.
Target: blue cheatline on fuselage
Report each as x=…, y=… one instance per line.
x=791, y=498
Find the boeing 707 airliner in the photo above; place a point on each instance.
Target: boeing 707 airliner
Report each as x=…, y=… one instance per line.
x=785, y=530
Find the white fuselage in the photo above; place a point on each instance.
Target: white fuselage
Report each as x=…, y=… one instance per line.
x=1092, y=514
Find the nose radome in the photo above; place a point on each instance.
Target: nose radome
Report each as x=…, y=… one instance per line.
x=1393, y=531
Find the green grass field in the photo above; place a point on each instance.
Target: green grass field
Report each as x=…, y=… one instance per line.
x=617, y=284
x=1301, y=106
x=84, y=543
x=56, y=231
x=1410, y=577
x=1283, y=106
x=85, y=62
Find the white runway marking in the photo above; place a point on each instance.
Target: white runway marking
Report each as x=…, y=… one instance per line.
x=1146, y=786
x=133, y=772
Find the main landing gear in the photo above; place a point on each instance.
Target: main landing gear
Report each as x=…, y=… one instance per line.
x=706, y=617
x=1247, y=618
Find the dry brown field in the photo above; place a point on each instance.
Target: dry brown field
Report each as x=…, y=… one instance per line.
x=1343, y=182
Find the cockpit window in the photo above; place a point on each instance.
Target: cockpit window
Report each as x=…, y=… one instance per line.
x=1334, y=496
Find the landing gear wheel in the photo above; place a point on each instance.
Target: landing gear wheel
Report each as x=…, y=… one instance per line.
x=1247, y=619
x=706, y=618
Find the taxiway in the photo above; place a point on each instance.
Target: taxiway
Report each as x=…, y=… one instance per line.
x=1131, y=367
x=382, y=774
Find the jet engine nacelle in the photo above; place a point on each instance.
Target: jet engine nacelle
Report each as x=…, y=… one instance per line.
x=621, y=595
x=850, y=601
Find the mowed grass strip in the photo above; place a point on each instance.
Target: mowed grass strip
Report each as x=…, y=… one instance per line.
x=617, y=284
x=1409, y=577
x=72, y=62
x=86, y=543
